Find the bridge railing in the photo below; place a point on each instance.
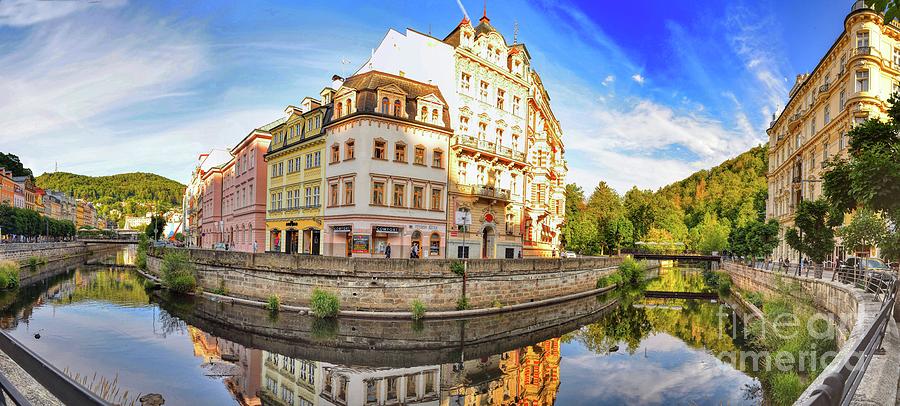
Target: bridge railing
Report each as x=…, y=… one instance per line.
x=838, y=388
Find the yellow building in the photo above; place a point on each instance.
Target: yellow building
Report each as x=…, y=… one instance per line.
x=850, y=84
x=295, y=180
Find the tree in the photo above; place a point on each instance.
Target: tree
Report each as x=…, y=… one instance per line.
x=574, y=206
x=619, y=234
x=155, y=228
x=639, y=209
x=581, y=234
x=890, y=8
x=711, y=234
x=815, y=237
x=12, y=163
x=605, y=206
x=866, y=229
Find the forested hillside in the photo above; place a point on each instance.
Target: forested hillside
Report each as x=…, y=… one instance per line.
x=117, y=196
x=711, y=210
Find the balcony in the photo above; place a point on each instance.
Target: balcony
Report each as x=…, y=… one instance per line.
x=823, y=88
x=796, y=179
x=486, y=192
x=489, y=147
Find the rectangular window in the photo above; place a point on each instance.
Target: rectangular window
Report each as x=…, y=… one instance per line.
x=349, y=151
x=317, y=159
x=862, y=81
x=862, y=40
x=436, y=199
x=333, y=194
x=418, y=192
x=307, y=197
x=501, y=94
x=827, y=114
x=419, y=158
x=379, y=150
x=289, y=199
x=517, y=102
x=825, y=151
x=316, y=196
x=465, y=81
x=399, y=195
x=335, y=153
x=843, y=98
x=462, y=251
x=437, y=159
x=400, y=152
x=378, y=193
x=482, y=130
x=462, y=173
x=348, y=192
x=842, y=142
x=463, y=125
x=483, y=91
x=309, y=161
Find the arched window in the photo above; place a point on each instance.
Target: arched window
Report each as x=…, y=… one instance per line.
x=340, y=109
x=424, y=113
x=434, y=116
x=397, y=107
x=434, y=246
x=385, y=105
x=349, y=106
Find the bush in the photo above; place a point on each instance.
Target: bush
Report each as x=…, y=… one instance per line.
x=178, y=272
x=458, y=267
x=755, y=298
x=274, y=304
x=630, y=271
x=418, y=309
x=323, y=304
x=463, y=304
x=786, y=387
x=34, y=262
x=718, y=281
x=9, y=274
x=140, y=260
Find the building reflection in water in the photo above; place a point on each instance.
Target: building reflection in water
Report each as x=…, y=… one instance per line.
x=238, y=365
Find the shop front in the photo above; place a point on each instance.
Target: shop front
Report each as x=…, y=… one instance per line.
x=371, y=239
x=294, y=237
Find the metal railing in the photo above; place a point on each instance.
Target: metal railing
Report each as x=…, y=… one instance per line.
x=838, y=388
x=10, y=391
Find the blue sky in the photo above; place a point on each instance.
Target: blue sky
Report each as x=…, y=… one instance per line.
x=646, y=92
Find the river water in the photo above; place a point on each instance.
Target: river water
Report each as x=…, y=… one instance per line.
x=100, y=326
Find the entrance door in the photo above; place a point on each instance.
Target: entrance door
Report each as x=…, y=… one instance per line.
x=487, y=243
x=293, y=242
x=349, y=242
x=315, y=243
x=415, y=247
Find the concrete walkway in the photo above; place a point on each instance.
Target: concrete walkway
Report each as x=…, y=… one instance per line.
x=25, y=384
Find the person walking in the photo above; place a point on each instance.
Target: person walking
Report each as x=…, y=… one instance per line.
x=255, y=246
x=387, y=251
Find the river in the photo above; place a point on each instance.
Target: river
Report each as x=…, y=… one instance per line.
x=100, y=326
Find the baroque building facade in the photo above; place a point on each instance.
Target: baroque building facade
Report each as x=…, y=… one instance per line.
x=296, y=168
x=849, y=85
x=387, y=168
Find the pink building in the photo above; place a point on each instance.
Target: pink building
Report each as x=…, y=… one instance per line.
x=244, y=196
x=211, y=224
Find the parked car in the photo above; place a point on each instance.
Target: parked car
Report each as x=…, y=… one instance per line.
x=872, y=269
x=568, y=254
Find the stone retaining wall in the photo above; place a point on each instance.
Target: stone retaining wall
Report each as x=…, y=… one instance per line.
x=391, y=284
x=52, y=251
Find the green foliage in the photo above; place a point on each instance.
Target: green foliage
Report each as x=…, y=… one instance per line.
x=711, y=234
x=9, y=274
x=34, y=262
x=178, y=272
x=755, y=239
x=458, y=267
x=324, y=304
x=581, y=234
x=866, y=229
x=118, y=196
x=14, y=220
x=12, y=163
x=812, y=220
x=631, y=272
x=324, y=329
x=155, y=228
x=890, y=8
x=274, y=304
x=417, y=308
x=754, y=297
x=463, y=303
x=140, y=259
x=785, y=387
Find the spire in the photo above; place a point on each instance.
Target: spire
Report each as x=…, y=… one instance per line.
x=484, y=17
x=516, y=32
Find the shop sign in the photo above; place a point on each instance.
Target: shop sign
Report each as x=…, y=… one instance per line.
x=387, y=230
x=360, y=244
x=342, y=229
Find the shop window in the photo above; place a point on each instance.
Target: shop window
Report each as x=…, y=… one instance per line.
x=434, y=246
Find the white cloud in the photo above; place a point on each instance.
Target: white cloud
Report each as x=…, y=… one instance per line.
x=19, y=13
x=608, y=80
x=638, y=78
x=73, y=73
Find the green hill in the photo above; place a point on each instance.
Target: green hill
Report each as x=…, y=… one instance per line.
x=118, y=196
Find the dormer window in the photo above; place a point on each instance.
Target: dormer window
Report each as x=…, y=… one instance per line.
x=397, y=108
x=385, y=105
x=434, y=116
x=340, y=109
x=349, y=106
x=424, y=114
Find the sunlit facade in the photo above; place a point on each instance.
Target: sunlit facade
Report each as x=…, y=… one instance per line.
x=851, y=84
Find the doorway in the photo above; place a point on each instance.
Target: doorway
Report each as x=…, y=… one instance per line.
x=415, y=247
x=314, y=249
x=293, y=242
x=348, y=244
x=487, y=242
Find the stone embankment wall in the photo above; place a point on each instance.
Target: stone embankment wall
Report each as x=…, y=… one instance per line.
x=20, y=252
x=391, y=284
x=854, y=311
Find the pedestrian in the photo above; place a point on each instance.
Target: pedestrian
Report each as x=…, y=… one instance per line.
x=414, y=252
x=255, y=246
x=387, y=251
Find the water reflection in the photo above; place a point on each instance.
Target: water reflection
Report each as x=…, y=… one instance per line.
x=619, y=349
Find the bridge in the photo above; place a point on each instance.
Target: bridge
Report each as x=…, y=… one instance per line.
x=105, y=241
x=677, y=256
x=658, y=294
